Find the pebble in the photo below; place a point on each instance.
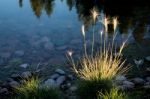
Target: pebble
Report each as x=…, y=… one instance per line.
x=148, y=79
x=14, y=84
x=49, y=46
x=24, y=65
x=73, y=88
x=26, y=74
x=60, y=80
x=5, y=55
x=59, y=71
x=4, y=91
x=54, y=76
x=138, y=81
x=50, y=83
x=19, y=53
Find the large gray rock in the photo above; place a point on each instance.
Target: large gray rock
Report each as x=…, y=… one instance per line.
x=14, y=84
x=138, y=81
x=19, y=53
x=59, y=71
x=26, y=74
x=60, y=80
x=50, y=83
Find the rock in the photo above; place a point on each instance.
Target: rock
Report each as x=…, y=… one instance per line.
x=10, y=79
x=59, y=71
x=54, y=76
x=49, y=46
x=45, y=39
x=147, y=58
x=19, y=53
x=119, y=79
x=70, y=77
x=138, y=81
x=4, y=91
x=14, y=84
x=14, y=76
x=128, y=85
x=24, y=65
x=148, y=79
x=50, y=83
x=26, y=74
x=62, y=47
x=73, y=88
x=5, y=55
x=76, y=41
x=60, y=80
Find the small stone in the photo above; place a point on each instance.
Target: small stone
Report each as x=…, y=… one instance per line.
x=45, y=39
x=76, y=41
x=73, y=88
x=54, y=76
x=10, y=79
x=5, y=55
x=59, y=71
x=24, y=65
x=50, y=83
x=148, y=58
x=60, y=80
x=26, y=74
x=49, y=46
x=14, y=76
x=19, y=53
x=120, y=78
x=138, y=81
x=4, y=91
x=128, y=85
x=148, y=79
x=14, y=84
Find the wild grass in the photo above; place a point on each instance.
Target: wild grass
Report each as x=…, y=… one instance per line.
x=105, y=65
x=113, y=94
x=31, y=90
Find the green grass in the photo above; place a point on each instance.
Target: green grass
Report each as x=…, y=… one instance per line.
x=31, y=90
x=113, y=94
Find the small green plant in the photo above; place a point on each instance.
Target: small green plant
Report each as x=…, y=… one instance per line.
x=31, y=90
x=113, y=94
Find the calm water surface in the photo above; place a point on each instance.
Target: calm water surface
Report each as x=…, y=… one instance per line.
x=33, y=31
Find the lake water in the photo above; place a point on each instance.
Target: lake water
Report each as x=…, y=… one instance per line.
x=42, y=31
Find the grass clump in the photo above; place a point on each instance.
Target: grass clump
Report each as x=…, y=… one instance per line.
x=97, y=71
x=31, y=90
x=113, y=94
